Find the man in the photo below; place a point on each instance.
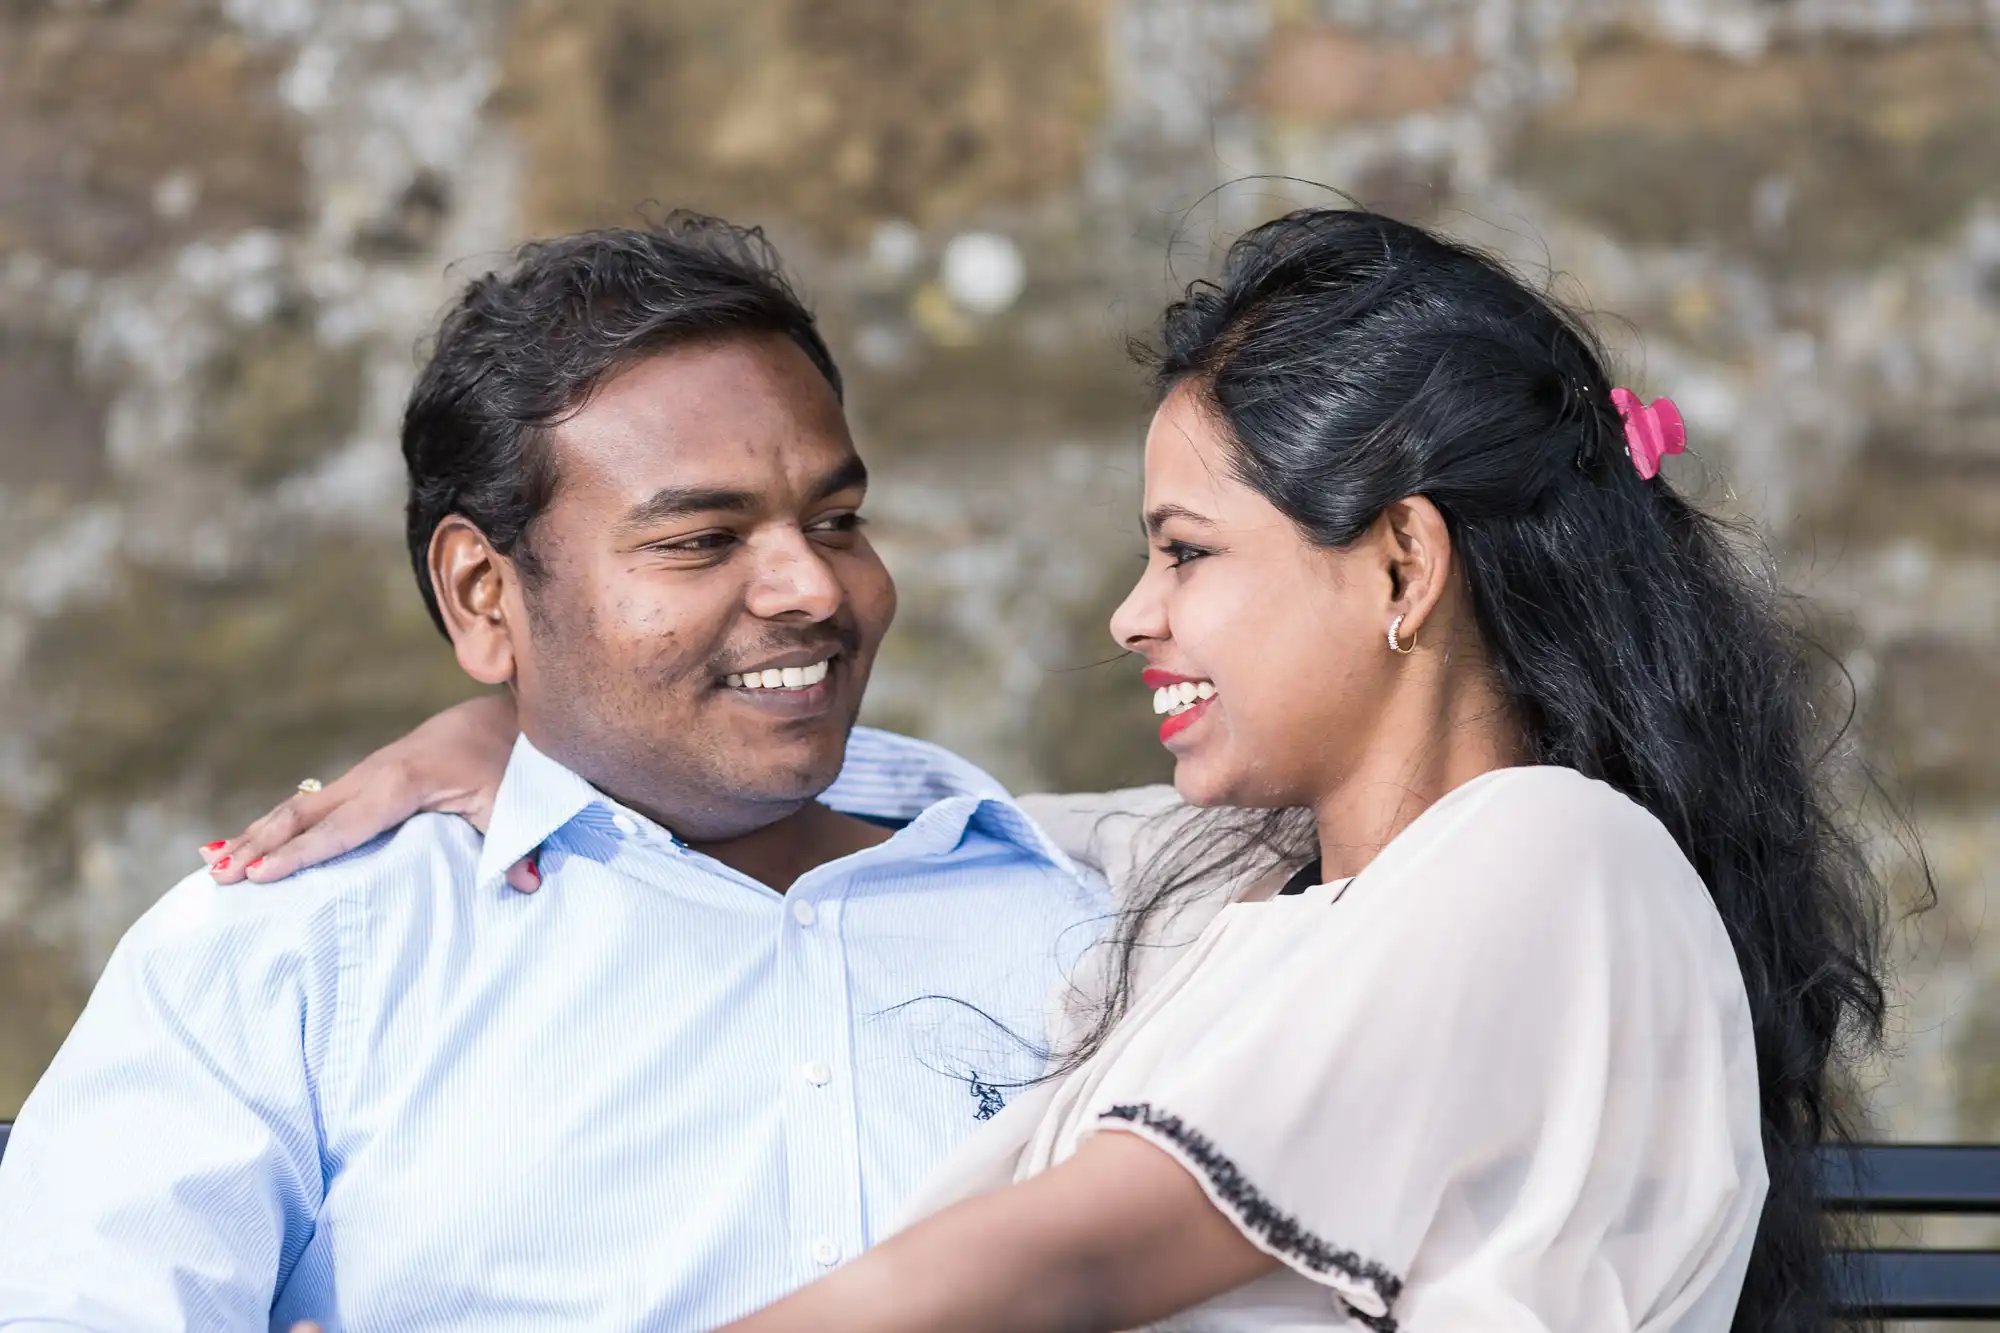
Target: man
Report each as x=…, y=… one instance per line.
x=786, y=964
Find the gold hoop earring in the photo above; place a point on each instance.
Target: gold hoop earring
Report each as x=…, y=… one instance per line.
x=1395, y=645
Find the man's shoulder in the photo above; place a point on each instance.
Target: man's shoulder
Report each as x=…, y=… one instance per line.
x=424, y=855
x=1115, y=831
x=899, y=777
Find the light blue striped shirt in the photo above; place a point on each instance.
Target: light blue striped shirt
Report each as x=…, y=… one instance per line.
x=394, y=1094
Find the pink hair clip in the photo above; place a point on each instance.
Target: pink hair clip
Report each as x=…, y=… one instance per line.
x=1652, y=431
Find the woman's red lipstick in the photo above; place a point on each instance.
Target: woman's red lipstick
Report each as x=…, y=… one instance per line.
x=1175, y=723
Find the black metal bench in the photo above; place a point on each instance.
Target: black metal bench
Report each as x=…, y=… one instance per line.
x=1914, y=1179
x=1890, y=1179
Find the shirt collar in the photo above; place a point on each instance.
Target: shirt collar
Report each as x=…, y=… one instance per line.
x=884, y=775
x=896, y=777
x=536, y=797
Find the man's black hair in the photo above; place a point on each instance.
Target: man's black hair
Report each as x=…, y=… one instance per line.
x=524, y=347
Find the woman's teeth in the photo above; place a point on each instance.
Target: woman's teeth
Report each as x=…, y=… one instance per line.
x=779, y=678
x=1171, y=699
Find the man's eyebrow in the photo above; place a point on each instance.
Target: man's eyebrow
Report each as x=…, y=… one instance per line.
x=672, y=502
x=849, y=475
x=1156, y=517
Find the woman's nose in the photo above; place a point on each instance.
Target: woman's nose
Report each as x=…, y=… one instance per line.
x=1141, y=618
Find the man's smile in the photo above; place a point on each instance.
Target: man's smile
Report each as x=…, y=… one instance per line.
x=782, y=674
x=799, y=684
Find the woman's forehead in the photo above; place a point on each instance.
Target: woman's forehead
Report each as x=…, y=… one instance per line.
x=1188, y=456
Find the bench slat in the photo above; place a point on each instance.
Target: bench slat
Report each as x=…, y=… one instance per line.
x=1917, y=1284
x=1910, y=1178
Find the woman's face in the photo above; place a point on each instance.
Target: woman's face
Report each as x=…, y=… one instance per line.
x=1282, y=642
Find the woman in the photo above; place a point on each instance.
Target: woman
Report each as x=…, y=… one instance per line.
x=1546, y=1035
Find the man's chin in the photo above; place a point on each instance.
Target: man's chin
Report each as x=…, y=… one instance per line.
x=794, y=763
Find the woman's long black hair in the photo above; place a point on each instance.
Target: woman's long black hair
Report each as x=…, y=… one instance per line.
x=1357, y=360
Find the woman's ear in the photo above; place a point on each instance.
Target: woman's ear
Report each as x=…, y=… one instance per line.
x=470, y=580
x=1420, y=567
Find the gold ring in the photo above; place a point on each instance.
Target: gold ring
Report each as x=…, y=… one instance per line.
x=310, y=785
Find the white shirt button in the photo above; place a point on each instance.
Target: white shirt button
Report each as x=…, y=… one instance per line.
x=826, y=1252
x=802, y=912
x=816, y=1073
x=625, y=824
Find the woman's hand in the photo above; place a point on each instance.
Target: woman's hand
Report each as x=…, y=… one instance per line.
x=451, y=764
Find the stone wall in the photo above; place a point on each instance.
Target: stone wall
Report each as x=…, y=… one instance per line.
x=224, y=224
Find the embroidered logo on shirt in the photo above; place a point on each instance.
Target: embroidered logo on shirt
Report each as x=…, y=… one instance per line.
x=990, y=1101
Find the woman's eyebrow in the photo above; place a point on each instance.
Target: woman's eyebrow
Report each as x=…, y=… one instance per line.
x=1156, y=517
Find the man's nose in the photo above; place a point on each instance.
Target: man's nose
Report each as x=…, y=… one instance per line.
x=794, y=582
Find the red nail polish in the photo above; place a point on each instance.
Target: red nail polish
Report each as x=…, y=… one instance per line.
x=223, y=864
x=214, y=846
x=535, y=868
x=254, y=864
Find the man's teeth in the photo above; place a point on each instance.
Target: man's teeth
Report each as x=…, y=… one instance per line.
x=779, y=678
x=1179, y=698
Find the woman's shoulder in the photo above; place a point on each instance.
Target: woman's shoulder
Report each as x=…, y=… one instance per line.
x=1546, y=841
x=1544, y=814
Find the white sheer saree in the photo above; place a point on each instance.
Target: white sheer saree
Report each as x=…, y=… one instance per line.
x=1501, y=1080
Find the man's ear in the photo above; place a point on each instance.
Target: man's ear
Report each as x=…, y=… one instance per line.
x=1418, y=546
x=472, y=583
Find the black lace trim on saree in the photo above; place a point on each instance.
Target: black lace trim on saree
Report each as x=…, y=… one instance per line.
x=1280, y=1230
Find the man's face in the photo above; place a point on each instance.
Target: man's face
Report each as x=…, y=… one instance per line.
x=704, y=530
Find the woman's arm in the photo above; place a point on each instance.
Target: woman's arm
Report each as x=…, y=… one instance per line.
x=451, y=764
x=1118, y=1236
